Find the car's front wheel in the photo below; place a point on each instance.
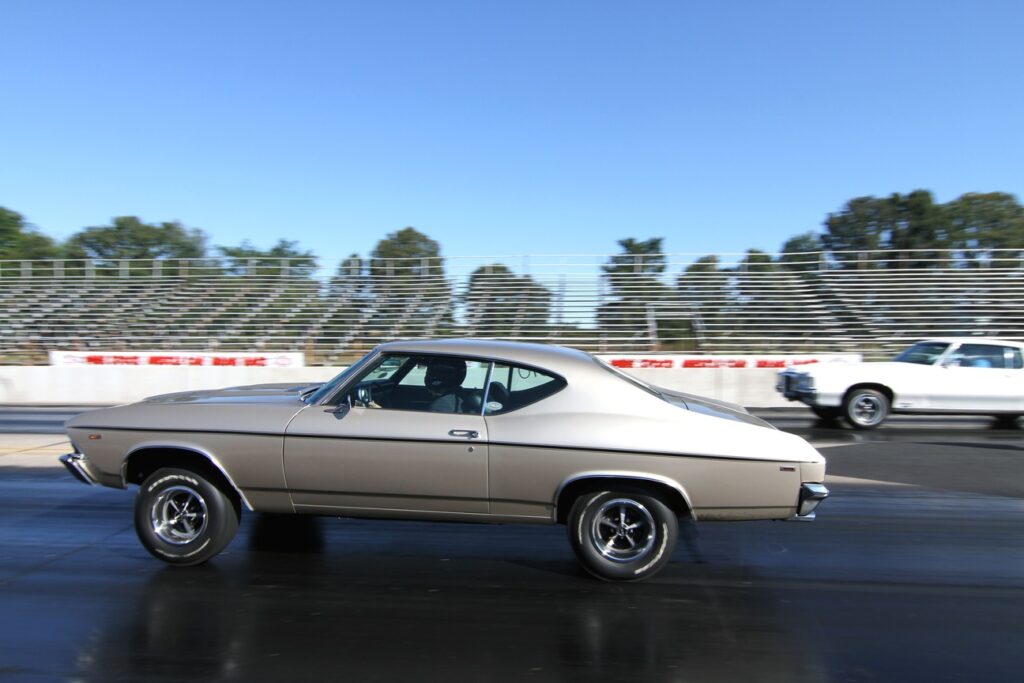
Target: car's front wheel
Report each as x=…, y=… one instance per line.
x=865, y=408
x=183, y=518
x=622, y=536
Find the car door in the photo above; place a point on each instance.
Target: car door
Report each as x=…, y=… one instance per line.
x=380, y=449
x=980, y=378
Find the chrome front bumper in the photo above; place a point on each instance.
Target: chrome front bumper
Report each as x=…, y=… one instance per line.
x=788, y=385
x=811, y=496
x=75, y=462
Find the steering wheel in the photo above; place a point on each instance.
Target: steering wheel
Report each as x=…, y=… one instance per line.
x=373, y=394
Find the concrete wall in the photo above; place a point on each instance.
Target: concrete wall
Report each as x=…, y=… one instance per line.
x=106, y=385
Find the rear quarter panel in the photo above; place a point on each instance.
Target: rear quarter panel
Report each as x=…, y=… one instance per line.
x=726, y=469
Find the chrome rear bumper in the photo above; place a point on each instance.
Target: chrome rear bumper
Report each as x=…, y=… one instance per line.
x=75, y=462
x=811, y=496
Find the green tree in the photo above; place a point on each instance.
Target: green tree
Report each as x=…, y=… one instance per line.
x=20, y=241
x=500, y=303
x=918, y=224
x=905, y=223
x=285, y=257
x=407, y=253
x=406, y=267
x=980, y=222
x=800, y=252
x=704, y=280
x=757, y=261
x=129, y=238
x=704, y=286
x=762, y=290
x=751, y=284
x=351, y=278
x=639, y=265
x=636, y=288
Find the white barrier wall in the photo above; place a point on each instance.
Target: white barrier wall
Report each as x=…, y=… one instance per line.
x=108, y=385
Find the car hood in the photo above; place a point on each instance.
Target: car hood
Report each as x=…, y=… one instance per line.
x=712, y=407
x=255, y=393
x=887, y=366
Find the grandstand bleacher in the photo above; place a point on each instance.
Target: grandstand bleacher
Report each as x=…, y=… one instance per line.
x=870, y=305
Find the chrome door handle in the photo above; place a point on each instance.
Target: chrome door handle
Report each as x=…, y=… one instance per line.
x=468, y=433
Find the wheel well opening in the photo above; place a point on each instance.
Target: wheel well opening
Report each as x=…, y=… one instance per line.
x=886, y=391
x=665, y=493
x=142, y=463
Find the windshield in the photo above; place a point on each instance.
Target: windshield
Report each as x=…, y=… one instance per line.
x=329, y=388
x=922, y=353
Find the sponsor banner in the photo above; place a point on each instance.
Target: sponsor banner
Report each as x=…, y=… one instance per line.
x=637, y=361
x=186, y=358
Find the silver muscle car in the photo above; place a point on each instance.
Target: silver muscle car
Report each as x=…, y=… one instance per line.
x=460, y=430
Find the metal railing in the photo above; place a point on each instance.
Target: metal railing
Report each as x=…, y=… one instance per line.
x=869, y=302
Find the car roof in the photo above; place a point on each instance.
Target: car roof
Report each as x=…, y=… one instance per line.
x=547, y=356
x=973, y=340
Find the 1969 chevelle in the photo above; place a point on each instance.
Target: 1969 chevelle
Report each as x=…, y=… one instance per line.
x=459, y=430
x=970, y=375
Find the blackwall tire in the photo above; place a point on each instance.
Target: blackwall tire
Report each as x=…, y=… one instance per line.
x=622, y=536
x=183, y=518
x=865, y=408
x=1006, y=421
x=827, y=413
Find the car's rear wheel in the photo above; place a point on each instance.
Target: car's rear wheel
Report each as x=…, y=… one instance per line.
x=622, y=536
x=865, y=408
x=183, y=518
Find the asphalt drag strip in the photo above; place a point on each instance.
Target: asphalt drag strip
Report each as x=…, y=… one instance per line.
x=913, y=571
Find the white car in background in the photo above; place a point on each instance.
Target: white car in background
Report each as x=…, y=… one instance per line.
x=968, y=375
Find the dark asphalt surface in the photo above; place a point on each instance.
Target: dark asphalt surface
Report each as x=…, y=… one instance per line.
x=36, y=420
x=917, y=580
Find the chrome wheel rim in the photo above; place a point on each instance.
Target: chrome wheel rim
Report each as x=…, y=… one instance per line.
x=623, y=530
x=867, y=409
x=178, y=515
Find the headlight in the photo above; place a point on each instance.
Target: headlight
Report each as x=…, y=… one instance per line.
x=804, y=382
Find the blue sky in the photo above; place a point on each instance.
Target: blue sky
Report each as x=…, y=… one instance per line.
x=500, y=128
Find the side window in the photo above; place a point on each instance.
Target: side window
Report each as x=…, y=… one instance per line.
x=441, y=384
x=1016, y=362
x=979, y=356
x=514, y=386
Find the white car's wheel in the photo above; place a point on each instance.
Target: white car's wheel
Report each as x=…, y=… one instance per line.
x=865, y=408
x=620, y=536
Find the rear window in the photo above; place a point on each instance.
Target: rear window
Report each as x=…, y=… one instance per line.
x=514, y=386
x=981, y=356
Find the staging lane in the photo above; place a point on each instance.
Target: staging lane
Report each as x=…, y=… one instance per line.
x=864, y=593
